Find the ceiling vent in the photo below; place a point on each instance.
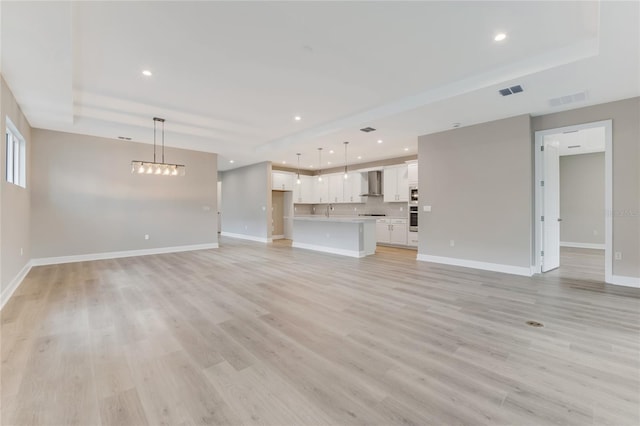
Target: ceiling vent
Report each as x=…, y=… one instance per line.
x=367, y=129
x=124, y=138
x=511, y=90
x=568, y=99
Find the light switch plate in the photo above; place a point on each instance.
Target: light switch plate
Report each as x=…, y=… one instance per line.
x=426, y=208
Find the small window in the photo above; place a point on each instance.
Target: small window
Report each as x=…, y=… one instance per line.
x=16, y=156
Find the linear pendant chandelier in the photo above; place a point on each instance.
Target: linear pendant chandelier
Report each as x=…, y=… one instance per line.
x=155, y=168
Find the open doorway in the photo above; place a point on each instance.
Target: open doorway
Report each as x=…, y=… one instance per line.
x=573, y=194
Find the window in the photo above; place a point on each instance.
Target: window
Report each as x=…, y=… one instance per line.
x=16, y=156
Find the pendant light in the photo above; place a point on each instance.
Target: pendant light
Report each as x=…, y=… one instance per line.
x=155, y=168
x=346, y=175
x=319, y=164
x=298, y=181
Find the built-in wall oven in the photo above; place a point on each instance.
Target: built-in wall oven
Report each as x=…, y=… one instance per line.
x=413, y=218
x=413, y=195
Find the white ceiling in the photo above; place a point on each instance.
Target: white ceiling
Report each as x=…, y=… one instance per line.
x=230, y=76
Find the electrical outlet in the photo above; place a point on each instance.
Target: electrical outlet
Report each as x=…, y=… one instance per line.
x=426, y=208
x=618, y=255
x=401, y=209
x=21, y=251
x=146, y=236
x=452, y=243
x=246, y=227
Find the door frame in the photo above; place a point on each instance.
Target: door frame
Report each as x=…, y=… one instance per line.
x=608, y=191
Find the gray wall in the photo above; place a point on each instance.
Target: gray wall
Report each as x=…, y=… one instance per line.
x=625, y=115
x=246, y=201
x=582, y=198
x=14, y=200
x=85, y=200
x=478, y=181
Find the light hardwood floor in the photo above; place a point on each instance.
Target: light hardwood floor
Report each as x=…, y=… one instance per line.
x=270, y=335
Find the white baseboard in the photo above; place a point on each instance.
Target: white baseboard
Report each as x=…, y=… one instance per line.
x=486, y=266
x=342, y=252
x=594, y=246
x=14, y=284
x=119, y=254
x=246, y=237
x=625, y=281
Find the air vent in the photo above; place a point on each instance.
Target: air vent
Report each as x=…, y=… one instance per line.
x=367, y=129
x=511, y=90
x=568, y=99
x=124, y=138
x=574, y=146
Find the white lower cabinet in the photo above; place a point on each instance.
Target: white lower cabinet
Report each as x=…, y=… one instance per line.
x=391, y=231
x=383, y=231
x=412, y=239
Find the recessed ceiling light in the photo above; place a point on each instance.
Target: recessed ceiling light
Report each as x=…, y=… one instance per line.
x=406, y=149
x=311, y=166
x=500, y=37
x=147, y=73
x=297, y=118
x=284, y=162
x=359, y=157
x=331, y=152
x=379, y=140
x=329, y=162
x=231, y=161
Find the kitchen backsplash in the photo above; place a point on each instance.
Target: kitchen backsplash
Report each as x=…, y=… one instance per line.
x=374, y=205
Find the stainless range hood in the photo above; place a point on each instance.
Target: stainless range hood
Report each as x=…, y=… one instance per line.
x=375, y=184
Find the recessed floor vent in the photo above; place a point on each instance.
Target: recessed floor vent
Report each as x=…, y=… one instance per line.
x=511, y=90
x=367, y=129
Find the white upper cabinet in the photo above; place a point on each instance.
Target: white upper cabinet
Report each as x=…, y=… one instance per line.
x=303, y=192
x=336, y=187
x=282, y=181
x=413, y=173
x=396, y=184
x=320, y=190
x=354, y=187
x=348, y=190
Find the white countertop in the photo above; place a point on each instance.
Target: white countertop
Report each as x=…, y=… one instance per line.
x=348, y=219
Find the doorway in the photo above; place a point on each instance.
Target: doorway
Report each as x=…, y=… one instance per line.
x=572, y=227
x=277, y=216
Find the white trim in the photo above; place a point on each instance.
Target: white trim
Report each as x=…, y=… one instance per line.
x=246, y=237
x=486, y=266
x=324, y=249
x=119, y=254
x=625, y=281
x=595, y=246
x=14, y=284
x=608, y=191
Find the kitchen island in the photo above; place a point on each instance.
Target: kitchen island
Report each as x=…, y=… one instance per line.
x=343, y=235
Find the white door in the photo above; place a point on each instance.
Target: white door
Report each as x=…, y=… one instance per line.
x=551, y=205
